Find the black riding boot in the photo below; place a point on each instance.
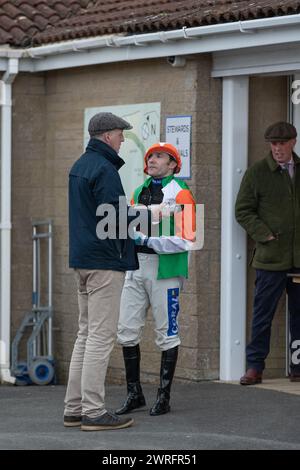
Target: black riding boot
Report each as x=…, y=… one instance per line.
x=167, y=369
x=135, y=398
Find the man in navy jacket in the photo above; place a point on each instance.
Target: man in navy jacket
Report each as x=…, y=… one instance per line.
x=99, y=264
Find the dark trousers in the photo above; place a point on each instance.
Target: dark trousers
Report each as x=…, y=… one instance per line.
x=269, y=286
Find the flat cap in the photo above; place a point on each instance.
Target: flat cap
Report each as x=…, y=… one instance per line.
x=280, y=132
x=103, y=122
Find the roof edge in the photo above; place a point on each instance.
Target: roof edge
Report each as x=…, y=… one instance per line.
x=235, y=35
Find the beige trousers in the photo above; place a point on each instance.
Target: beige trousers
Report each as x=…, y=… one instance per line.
x=99, y=293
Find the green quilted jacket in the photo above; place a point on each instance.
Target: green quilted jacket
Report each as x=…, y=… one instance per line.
x=268, y=202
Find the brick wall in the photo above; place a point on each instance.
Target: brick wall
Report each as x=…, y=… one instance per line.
x=48, y=138
x=31, y=185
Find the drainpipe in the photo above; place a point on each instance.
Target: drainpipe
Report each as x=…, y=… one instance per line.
x=5, y=226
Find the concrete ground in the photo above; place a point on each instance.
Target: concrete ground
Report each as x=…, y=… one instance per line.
x=206, y=415
x=281, y=385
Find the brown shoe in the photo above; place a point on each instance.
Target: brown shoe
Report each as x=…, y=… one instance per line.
x=251, y=377
x=295, y=377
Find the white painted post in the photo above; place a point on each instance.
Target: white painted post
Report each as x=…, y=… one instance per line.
x=233, y=238
x=5, y=243
x=5, y=227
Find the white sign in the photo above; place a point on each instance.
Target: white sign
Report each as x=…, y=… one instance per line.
x=145, y=119
x=178, y=133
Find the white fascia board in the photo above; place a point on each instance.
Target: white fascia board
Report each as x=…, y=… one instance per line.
x=164, y=36
x=259, y=70
x=240, y=35
x=265, y=60
x=3, y=64
x=26, y=65
x=205, y=44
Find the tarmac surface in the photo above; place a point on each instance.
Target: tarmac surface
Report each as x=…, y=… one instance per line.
x=205, y=415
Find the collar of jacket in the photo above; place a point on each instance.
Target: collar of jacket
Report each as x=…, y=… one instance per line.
x=106, y=151
x=275, y=166
x=164, y=181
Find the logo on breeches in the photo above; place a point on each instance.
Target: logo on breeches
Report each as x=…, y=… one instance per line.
x=173, y=310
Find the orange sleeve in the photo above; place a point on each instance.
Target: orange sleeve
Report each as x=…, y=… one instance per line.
x=185, y=221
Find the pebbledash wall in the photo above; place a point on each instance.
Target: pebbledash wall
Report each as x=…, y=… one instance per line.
x=48, y=137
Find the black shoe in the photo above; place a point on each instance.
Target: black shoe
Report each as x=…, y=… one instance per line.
x=72, y=421
x=106, y=421
x=135, y=399
x=161, y=406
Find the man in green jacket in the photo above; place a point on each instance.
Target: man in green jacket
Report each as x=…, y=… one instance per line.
x=268, y=208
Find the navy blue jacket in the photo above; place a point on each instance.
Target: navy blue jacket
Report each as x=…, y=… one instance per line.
x=94, y=180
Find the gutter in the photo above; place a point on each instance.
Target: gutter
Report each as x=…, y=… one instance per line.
x=5, y=226
x=115, y=48
x=248, y=27
x=184, y=41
